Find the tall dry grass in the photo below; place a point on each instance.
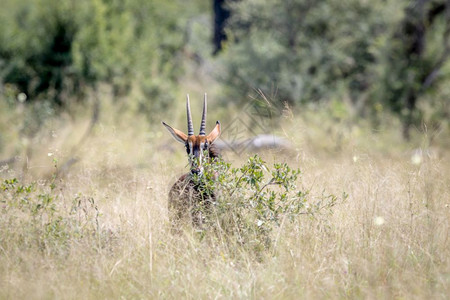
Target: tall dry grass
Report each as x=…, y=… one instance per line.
x=388, y=239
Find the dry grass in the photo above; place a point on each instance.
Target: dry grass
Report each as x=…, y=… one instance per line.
x=389, y=239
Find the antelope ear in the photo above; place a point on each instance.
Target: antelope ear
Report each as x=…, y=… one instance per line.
x=178, y=135
x=215, y=133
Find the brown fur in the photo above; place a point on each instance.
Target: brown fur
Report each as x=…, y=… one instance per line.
x=186, y=201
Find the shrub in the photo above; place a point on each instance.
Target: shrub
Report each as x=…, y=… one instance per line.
x=34, y=215
x=252, y=200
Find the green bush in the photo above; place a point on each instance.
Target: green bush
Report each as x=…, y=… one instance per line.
x=58, y=50
x=254, y=199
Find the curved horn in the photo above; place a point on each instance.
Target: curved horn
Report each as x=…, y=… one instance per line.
x=189, y=117
x=203, y=124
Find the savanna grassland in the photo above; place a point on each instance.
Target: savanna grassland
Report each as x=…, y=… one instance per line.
x=99, y=229
x=358, y=92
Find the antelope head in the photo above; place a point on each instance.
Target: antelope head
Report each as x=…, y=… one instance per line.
x=196, y=145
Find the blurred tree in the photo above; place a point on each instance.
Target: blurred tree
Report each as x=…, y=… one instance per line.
x=375, y=54
x=36, y=54
x=419, y=50
x=221, y=14
x=57, y=49
x=305, y=50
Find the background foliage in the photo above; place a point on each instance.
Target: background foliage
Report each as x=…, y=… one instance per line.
x=373, y=56
x=58, y=50
x=360, y=51
x=84, y=85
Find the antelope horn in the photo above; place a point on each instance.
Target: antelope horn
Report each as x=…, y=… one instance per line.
x=203, y=124
x=189, y=117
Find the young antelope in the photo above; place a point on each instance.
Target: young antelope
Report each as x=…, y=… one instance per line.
x=186, y=197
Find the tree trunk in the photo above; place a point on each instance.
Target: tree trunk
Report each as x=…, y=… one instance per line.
x=221, y=14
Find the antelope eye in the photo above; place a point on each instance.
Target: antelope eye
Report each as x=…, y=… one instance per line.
x=187, y=148
x=205, y=146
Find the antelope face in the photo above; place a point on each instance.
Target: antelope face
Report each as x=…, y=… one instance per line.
x=197, y=146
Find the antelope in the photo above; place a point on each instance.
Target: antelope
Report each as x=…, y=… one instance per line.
x=186, y=199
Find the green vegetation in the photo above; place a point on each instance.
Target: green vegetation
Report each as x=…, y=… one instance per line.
x=358, y=91
x=34, y=217
x=56, y=50
x=253, y=200
x=376, y=57
x=389, y=55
